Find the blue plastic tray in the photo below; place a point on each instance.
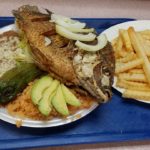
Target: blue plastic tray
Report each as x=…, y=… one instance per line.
x=118, y=120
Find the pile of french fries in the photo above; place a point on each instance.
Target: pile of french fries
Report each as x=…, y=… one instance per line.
x=132, y=53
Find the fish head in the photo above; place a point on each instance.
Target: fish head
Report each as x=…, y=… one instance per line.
x=95, y=72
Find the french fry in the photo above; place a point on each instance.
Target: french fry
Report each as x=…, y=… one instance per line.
x=147, y=45
x=136, y=71
x=123, y=52
x=117, y=56
x=120, y=83
x=142, y=95
x=118, y=64
x=133, y=85
x=139, y=47
x=119, y=43
x=137, y=84
x=147, y=50
x=147, y=42
x=133, y=77
x=119, y=46
x=114, y=41
x=129, y=65
x=128, y=57
x=139, y=67
x=147, y=32
x=126, y=39
x=145, y=36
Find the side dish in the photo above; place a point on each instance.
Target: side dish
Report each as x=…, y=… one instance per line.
x=8, y=50
x=132, y=51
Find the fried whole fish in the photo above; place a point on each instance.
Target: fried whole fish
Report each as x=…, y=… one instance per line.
x=87, y=72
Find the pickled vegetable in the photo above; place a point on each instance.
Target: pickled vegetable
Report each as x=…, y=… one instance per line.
x=15, y=80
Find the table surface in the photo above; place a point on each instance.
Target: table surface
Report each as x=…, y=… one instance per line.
x=138, y=9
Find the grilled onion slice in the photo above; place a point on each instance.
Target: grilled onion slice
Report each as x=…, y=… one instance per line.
x=102, y=41
x=70, y=23
x=67, y=22
x=74, y=36
x=76, y=30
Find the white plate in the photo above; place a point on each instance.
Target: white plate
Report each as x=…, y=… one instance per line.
x=112, y=33
x=42, y=124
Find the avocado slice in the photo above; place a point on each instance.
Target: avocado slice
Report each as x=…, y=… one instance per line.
x=70, y=97
x=39, y=87
x=59, y=102
x=45, y=106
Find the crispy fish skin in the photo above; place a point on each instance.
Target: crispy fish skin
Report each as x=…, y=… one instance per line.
x=53, y=58
x=58, y=57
